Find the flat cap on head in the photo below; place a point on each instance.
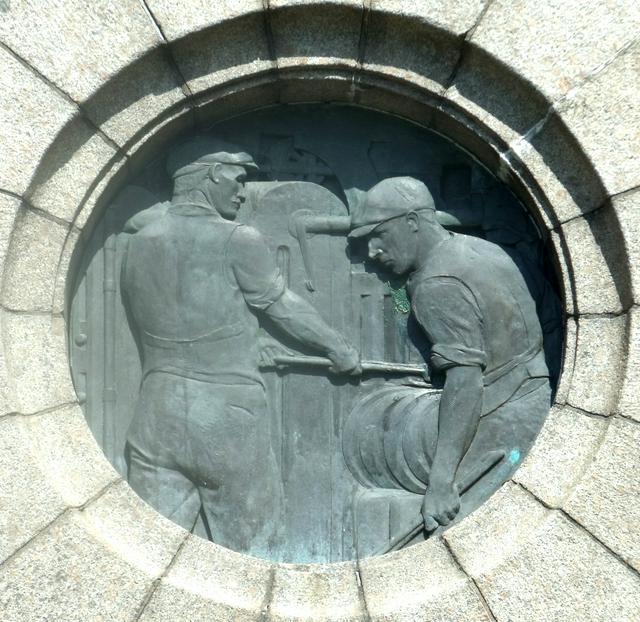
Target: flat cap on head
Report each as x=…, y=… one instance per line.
x=189, y=156
x=390, y=198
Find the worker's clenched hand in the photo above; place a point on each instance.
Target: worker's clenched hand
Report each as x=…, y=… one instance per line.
x=345, y=359
x=440, y=506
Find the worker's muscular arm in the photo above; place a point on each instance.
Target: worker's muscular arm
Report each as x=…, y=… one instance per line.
x=460, y=408
x=255, y=271
x=299, y=319
x=449, y=314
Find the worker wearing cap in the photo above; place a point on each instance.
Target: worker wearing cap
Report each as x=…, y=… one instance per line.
x=480, y=320
x=194, y=282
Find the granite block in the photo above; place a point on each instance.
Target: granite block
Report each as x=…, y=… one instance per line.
x=498, y=531
x=105, y=187
x=37, y=364
x=29, y=120
x=224, y=52
x=66, y=452
x=169, y=604
x=177, y=19
x=562, y=574
x=597, y=265
x=454, y=17
x=66, y=273
x=606, y=501
x=64, y=574
x=32, y=262
x=422, y=582
x=561, y=168
x=599, y=364
x=28, y=502
x=555, y=45
x=78, y=45
x=627, y=209
x=629, y=404
x=142, y=91
x=7, y=400
x=9, y=206
x=316, y=33
x=497, y=99
x=568, y=360
x=323, y=592
x=133, y=529
x=68, y=170
x=604, y=113
x=565, y=448
x=211, y=583
x=411, y=50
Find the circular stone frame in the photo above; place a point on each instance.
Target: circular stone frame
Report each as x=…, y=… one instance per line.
x=83, y=545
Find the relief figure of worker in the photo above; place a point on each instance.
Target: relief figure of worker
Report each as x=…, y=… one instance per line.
x=473, y=306
x=194, y=283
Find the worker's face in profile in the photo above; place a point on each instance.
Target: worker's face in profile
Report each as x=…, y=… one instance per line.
x=226, y=188
x=393, y=243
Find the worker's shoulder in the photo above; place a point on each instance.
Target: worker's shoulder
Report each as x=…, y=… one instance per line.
x=247, y=237
x=146, y=217
x=465, y=255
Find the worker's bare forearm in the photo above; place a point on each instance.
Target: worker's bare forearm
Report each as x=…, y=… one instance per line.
x=460, y=408
x=300, y=320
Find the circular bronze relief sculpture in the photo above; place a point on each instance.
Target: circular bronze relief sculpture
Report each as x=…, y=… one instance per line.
x=315, y=333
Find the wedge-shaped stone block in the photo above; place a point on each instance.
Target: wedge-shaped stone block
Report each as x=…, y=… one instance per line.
x=126, y=104
x=78, y=45
x=30, y=117
x=7, y=401
x=316, y=592
x=169, y=603
x=423, y=583
x=410, y=49
x=562, y=574
x=9, y=207
x=568, y=360
x=567, y=443
x=555, y=45
x=497, y=531
x=316, y=33
x=133, y=529
x=496, y=98
x=179, y=19
x=68, y=170
x=629, y=404
x=604, y=115
x=63, y=448
x=111, y=180
x=28, y=502
x=64, y=574
x=606, y=500
x=66, y=273
x=561, y=168
x=32, y=262
x=627, y=209
x=37, y=364
x=455, y=17
x=224, y=52
x=599, y=364
x=212, y=583
x=597, y=263
x=8, y=211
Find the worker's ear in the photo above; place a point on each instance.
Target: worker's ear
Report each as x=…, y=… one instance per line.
x=412, y=221
x=214, y=173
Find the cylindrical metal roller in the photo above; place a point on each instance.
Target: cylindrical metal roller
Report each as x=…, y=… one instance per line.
x=390, y=435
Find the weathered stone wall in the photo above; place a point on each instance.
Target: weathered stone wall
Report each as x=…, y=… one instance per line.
x=544, y=93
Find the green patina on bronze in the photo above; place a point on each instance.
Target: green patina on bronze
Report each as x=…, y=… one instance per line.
x=401, y=302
